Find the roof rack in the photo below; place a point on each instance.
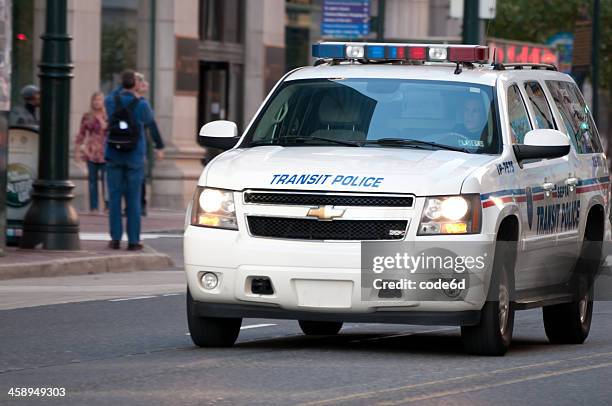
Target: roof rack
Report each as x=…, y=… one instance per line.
x=519, y=66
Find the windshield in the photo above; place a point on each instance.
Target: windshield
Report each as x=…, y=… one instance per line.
x=379, y=112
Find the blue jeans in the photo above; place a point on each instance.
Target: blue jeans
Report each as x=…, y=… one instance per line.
x=95, y=171
x=125, y=179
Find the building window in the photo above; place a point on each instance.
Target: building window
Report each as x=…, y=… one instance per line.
x=119, y=40
x=299, y=24
x=221, y=20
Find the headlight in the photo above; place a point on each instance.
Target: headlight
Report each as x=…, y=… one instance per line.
x=213, y=208
x=451, y=215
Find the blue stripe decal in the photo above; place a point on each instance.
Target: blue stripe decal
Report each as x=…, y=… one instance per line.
x=539, y=189
x=593, y=181
x=499, y=193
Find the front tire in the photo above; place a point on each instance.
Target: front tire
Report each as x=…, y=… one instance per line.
x=211, y=331
x=493, y=335
x=320, y=328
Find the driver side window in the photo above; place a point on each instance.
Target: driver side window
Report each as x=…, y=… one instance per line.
x=517, y=115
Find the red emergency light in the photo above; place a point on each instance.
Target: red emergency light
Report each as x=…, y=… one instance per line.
x=417, y=53
x=468, y=54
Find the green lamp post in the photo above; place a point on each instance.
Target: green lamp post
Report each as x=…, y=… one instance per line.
x=470, y=22
x=52, y=222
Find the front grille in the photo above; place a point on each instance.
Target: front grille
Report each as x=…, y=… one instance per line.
x=307, y=229
x=320, y=199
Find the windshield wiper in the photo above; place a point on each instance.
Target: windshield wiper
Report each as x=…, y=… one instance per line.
x=257, y=144
x=332, y=140
x=414, y=143
x=304, y=139
x=356, y=143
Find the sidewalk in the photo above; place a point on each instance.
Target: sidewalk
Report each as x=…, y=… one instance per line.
x=94, y=256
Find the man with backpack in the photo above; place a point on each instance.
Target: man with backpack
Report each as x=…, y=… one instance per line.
x=125, y=156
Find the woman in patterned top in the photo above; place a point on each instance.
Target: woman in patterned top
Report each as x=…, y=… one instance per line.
x=90, y=147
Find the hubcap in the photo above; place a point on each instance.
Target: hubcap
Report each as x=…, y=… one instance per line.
x=582, y=308
x=504, y=309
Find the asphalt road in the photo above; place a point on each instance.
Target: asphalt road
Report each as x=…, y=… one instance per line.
x=133, y=349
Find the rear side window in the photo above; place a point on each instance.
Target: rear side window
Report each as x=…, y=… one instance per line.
x=579, y=124
x=539, y=105
x=517, y=114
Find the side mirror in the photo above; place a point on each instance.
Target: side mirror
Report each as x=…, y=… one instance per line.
x=542, y=144
x=219, y=134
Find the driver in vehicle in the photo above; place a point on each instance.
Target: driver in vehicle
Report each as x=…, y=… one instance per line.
x=474, y=122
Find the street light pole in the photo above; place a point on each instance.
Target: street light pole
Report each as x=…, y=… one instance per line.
x=52, y=222
x=380, y=29
x=470, y=22
x=595, y=61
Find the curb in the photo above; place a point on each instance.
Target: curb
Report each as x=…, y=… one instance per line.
x=165, y=231
x=87, y=266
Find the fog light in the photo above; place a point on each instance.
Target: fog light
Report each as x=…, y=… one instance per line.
x=209, y=281
x=454, y=228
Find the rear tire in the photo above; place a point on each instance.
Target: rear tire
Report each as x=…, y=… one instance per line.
x=570, y=323
x=211, y=331
x=493, y=335
x=320, y=328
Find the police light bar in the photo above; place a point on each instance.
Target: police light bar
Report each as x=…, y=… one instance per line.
x=400, y=52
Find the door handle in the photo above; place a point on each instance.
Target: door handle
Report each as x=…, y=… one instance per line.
x=571, y=183
x=548, y=188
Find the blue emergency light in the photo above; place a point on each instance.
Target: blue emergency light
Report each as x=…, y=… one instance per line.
x=375, y=51
x=328, y=51
x=400, y=52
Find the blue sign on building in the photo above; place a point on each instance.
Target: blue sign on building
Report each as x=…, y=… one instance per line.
x=345, y=18
x=564, y=43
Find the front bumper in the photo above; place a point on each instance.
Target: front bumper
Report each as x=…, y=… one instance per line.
x=311, y=280
x=434, y=318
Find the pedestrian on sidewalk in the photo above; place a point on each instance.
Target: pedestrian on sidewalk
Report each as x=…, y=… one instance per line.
x=89, y=147
x=151, y=133
x=125, y=154
x=27, y=114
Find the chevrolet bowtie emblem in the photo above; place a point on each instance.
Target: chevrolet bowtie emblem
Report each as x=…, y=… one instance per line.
x=325, y=212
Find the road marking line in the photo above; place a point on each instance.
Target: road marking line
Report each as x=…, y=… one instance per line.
x=497, y=384
x=143, y=236
x=256, y=326
x=131, y=298
x=402, y=335
x=456, y=378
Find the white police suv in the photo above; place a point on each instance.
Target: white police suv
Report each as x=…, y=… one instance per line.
x=396, y=145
